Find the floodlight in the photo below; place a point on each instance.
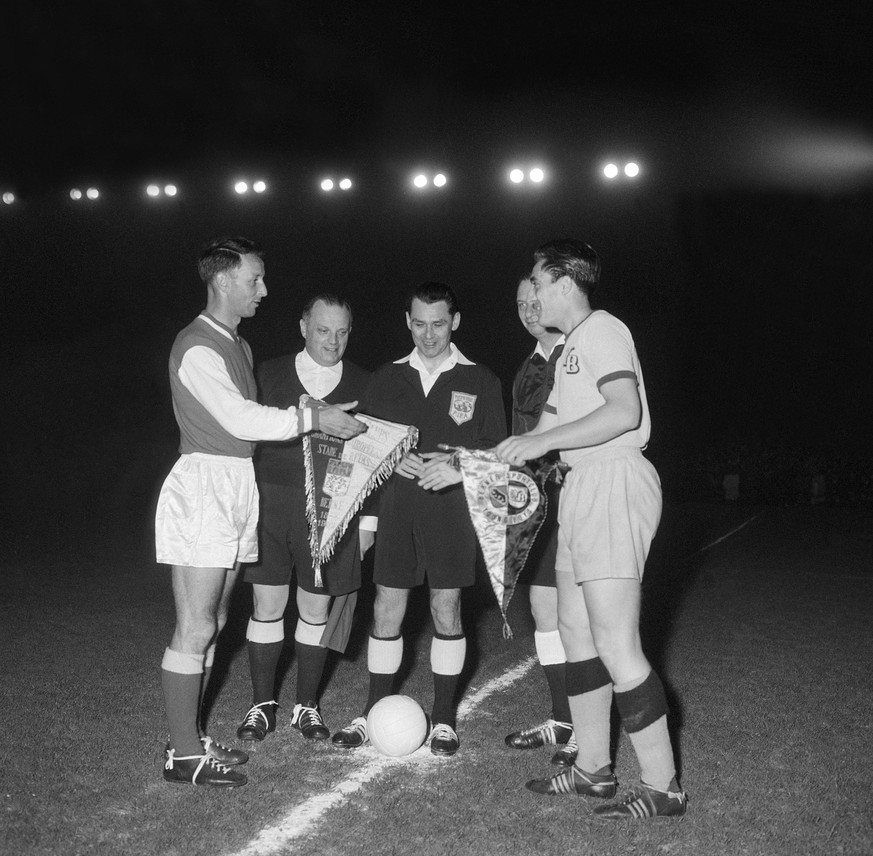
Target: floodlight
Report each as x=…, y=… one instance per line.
x=92, y=193
x=345, y=184
x=259, y=186
x=241, y=187
x=631, y=170
x=327, y=184
x=75, y=193
x=8, y=197
x=170, y=190
x=420, y=180
x=610, y=170
x=516, y=176
x=153, y=190
x=439, y=180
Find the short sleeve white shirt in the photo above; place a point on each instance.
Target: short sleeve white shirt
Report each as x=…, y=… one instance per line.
x=598, y=350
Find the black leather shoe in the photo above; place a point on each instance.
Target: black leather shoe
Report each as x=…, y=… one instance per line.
x=308, y=721
x=549, y=733
x=221, y=753
x=353, y=736
x=642, y=802
x=258, y=722
x=201, y=770
x=566, y=757
x=574, y=782
x=443, y=740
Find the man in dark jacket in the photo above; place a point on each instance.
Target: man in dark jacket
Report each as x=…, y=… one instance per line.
x=530, y=390
x=319, y=371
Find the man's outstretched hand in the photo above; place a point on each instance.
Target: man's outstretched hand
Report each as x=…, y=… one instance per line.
x=335, y=421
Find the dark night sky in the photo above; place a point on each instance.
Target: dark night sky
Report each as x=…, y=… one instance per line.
x=99, y=88
x=741, y=259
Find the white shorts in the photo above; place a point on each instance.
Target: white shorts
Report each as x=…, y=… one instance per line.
x=207, y=514
x=609, y=512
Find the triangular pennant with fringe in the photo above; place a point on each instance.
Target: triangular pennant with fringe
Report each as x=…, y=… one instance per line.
x=341, y=474
x=507, y=508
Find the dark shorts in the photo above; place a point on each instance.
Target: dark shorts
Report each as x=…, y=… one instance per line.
x=424, y=537
x=539, y=569
x=284, y=547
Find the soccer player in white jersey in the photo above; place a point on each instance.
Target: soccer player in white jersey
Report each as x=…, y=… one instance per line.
x=597, y=417
x=207, y=513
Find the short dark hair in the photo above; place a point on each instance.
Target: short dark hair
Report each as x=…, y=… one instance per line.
x=224, y=254
x=433, y=292
x=329, y=299
x=572, y=258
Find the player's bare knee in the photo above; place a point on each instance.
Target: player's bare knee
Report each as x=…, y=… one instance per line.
x=445, y=610
x=623, y=659
x=312, y=608
x=389, y=610
x=194, y=637
x=269, y=602
x=545, y=616
x=544, y=606
x=574, y=635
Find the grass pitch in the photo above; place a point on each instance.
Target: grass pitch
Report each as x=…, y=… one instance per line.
x=762, y=639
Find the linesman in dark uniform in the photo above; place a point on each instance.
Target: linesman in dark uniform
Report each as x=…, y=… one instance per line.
x=530, y=391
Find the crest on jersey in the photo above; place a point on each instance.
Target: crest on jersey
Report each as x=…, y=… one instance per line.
x=462, y=407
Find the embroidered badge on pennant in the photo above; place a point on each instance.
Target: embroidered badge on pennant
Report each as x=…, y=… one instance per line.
x=507, y=508
x=462, y=407
x=338, y=478
x=341, y=474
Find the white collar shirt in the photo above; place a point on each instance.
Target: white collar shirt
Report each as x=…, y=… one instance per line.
x=319, y=381
x=539, y=349
x=428, y=378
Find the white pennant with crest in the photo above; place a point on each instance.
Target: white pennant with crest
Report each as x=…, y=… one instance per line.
x=507, y=507
x=341, y=474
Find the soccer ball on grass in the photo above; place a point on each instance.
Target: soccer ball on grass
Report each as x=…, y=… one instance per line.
x=396, y=725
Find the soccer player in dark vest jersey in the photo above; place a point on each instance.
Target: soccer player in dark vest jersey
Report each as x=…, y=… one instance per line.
x=207, y=512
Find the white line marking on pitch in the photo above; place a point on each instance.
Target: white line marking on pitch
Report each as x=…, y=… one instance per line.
x=301, y=820
x=725, y=537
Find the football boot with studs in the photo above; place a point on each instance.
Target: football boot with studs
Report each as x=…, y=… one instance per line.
x=443, y=740
x=566, y=756
x=549, y=733
x=201, y=770
x=575, y=782
x=221, y=753
x=353, y=736
x=642, y=802
x=259, y=721
x=308, y=721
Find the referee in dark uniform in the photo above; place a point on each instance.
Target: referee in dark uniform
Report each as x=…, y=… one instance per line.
x=425, y=535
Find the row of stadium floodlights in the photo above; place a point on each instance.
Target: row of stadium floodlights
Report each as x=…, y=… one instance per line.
x=420, y=181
